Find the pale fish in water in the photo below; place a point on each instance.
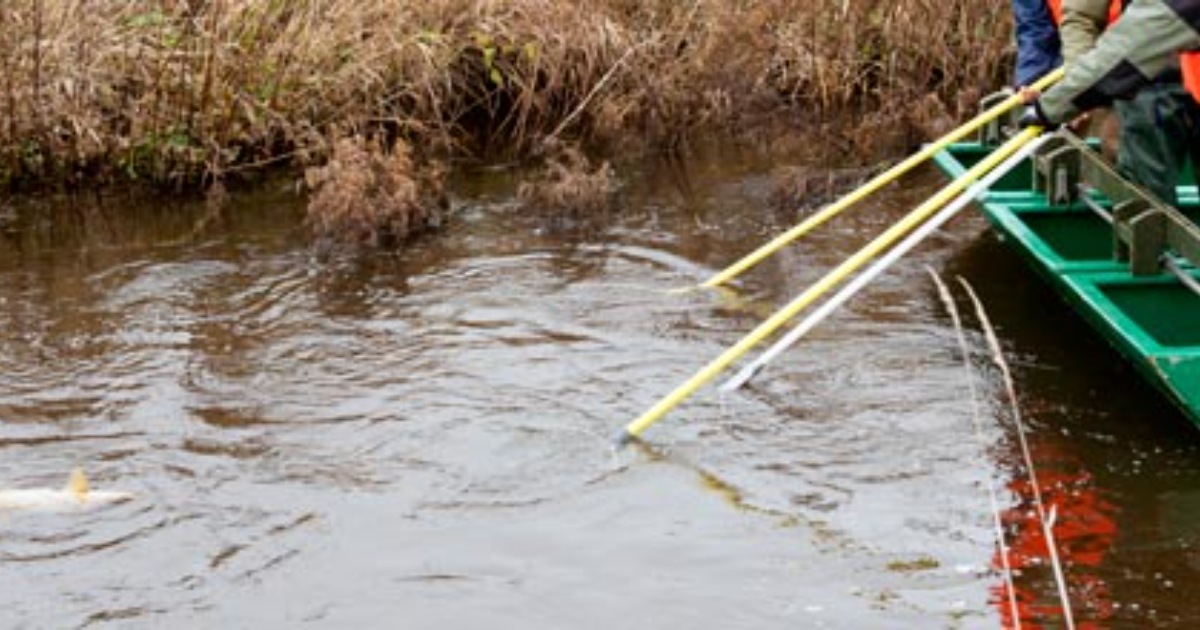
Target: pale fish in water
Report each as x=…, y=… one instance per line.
x=76, y=495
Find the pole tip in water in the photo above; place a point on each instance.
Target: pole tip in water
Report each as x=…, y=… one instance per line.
x=732, y=385
x=622, y=439
x=737, y=381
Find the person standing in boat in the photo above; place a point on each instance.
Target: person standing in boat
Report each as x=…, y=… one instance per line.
x=1038, y=44
x=1158, y=123
x=1127, y=56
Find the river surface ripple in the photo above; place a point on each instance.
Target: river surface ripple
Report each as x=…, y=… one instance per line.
x=423, y=440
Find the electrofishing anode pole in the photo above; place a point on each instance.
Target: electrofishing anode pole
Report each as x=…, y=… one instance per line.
x=879, y=266
x=879, y=181
x=781, y=317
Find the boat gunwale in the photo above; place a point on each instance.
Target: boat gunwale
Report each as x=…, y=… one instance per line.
x=1080, y=283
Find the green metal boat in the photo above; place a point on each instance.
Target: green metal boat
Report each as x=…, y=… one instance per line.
x=1127, y=263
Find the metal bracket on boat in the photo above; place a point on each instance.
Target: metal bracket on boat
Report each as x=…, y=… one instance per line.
x=1144, y=228
x=1144, y=231
x=1056, y=170
x=1139, y=235
x=996, y=131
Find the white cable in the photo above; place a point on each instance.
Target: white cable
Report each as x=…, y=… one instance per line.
x=879, y=266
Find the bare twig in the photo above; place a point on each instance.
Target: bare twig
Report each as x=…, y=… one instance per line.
x=993, y=493
x=1046, y=518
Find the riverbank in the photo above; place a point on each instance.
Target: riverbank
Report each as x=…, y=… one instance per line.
x=184, y=95
x=187, y=92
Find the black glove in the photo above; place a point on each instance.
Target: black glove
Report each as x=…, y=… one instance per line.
x=1033, y=115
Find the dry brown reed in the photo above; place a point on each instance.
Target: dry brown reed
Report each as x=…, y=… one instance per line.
x=188, y=91
x=568, y=184
x=366, y=195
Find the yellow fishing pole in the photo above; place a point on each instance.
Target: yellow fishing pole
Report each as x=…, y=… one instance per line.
x=781, y=317
x=879, y=181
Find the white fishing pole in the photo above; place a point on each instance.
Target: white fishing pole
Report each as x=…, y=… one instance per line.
x=827, y=283
x=912, y=240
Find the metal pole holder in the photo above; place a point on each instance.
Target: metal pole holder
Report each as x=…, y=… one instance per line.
x=1139, y=235
x=1144, y=228
x=998, y=129
x=1056, y=169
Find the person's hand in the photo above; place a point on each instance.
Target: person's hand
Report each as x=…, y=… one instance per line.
x=1033, y=112
x=1080, y=125
x=1033, y=116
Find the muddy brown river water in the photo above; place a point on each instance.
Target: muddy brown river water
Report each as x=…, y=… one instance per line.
x=423, y=440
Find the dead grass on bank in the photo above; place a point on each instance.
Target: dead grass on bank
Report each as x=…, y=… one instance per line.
x=179, y=91
x=185, y=93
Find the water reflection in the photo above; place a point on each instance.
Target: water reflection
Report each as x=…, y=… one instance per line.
x=1084, y=527
x=425, y=437
x=1108, y=451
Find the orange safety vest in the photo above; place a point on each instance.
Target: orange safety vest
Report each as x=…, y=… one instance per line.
x=1189, y=62
x=1189, y=65
x=1056, y=11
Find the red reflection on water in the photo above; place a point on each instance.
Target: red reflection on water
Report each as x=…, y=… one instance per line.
x=1085, y=529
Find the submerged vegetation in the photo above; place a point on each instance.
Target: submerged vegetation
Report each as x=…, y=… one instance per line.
x=569, y=184
x=185, y=93
x=368, y=194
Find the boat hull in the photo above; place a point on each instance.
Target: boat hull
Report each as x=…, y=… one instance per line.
x=1154, y=321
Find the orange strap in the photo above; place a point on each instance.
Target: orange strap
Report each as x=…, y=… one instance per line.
x=1189, y=65
x=1056, y=10
x=1114, y=10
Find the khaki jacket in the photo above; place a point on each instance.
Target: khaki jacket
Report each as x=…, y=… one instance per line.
x=1144, y=42
x=1082, y=23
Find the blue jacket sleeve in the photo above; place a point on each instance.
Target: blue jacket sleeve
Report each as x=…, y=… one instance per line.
x=1038, y=48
